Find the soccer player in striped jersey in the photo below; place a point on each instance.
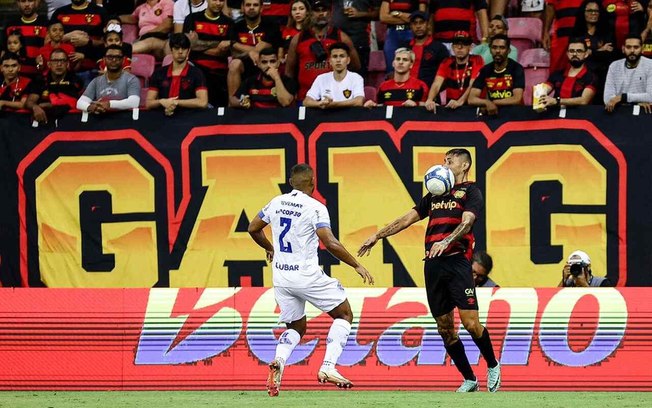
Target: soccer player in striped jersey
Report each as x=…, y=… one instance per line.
x=449, y=280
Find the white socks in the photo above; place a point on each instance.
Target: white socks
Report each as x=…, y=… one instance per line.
x=337, y=337
x=286, y=343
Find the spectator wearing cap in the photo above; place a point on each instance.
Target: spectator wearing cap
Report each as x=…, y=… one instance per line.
x=58, y=93
x=396, y=14
x=116, y=90
x=353, y=17
x=456, y=74
x=308, y=55
x=402, y=89
x=500, y=83
x=429, y=53
x=449, y=16
x=497, y=25
x=577, y=273
x=339, y=88
x=154, y=21
x=180, y=84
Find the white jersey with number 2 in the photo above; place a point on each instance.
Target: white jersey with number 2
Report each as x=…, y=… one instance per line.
x=295, y=218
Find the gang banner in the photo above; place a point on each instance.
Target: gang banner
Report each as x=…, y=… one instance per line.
x=165, y=202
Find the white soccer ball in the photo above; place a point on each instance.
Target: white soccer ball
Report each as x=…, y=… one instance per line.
x=439, y=180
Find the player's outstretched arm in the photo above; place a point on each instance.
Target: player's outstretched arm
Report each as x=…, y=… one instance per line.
x=258, y=235
x=394, y=227
x=336, y=248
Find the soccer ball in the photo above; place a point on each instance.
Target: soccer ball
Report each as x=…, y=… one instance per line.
x=439, y=180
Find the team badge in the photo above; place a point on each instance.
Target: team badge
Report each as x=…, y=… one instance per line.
x=273, y=92
x=611, y=8
x=200, y=26
x=65, y=19
x=459, y=194
x=37, y=31
x=409, y=93
x=89, y=18
x=347, y=93
x=158, y=12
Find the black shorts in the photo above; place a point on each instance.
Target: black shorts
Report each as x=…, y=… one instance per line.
x=449, y=284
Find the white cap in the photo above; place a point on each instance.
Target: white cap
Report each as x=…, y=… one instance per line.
x=579, y=257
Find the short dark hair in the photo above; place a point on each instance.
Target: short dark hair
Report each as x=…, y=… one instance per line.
x=340, y=46
x=461, y=152
x=577, y=40
x=114, y=47
x=268, y=51
x=10, y=56
x=58, y=50
x=500, y=37
x=108, y=33
x=301, y=175
x=484, y=260
x=634, y=36
x=179, y=40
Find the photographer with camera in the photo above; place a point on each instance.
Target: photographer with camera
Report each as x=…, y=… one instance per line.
x=577, y=273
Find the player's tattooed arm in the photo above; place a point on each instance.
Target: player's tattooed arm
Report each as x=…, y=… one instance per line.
x=394, y=227
x=468, y=218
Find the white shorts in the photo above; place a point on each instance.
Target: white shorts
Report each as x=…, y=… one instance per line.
x=326, y=294
x=528, y=6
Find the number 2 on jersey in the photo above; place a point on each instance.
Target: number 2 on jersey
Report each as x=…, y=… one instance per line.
x=286, y=223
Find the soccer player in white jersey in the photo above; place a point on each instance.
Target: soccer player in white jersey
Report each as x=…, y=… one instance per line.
x=298, y=222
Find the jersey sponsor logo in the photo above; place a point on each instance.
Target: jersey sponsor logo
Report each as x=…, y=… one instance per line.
x=469, y=291
x=286, y=267
x=443, y=205
x=291, y=204
x=500, y=94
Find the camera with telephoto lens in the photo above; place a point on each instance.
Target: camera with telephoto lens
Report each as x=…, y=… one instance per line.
x=576, y=269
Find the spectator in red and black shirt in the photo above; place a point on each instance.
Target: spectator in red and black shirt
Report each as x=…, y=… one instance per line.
x=456, y=74
x=55, y=37
x=58, y=92
x=180, y=84
x=84, y=24
x=561, y=16
x=450, y=16
x=268, y=88
x=14, y=88
x=250, y=35
x=403, y=89
x=500, y=83
x=33, y=29
x=575, y=85
x=429, y=53
x=276, y=11
x=448, y=275
x=210, y=33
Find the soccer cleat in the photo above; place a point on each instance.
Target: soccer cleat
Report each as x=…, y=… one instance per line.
x=493, y=378
x=333, y=377
x=469, y=386
x=274, y=378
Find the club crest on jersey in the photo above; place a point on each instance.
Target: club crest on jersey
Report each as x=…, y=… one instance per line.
x=409, y=93
x=459, y=194
x=89, y=18
x=347, y=93
x=158, y=12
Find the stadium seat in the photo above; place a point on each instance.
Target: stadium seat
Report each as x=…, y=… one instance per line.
x=533, y=76
x=381, y=32
x=370, y=93
x=129, y=33
x=536, y=57
x=142, y=65
x=167, y=60
x=377, y=61
x=524, y=32
x=143, y=97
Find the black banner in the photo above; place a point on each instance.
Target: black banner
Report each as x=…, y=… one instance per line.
x=160, y=201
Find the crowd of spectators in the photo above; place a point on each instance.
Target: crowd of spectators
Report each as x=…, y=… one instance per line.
x=103, y=55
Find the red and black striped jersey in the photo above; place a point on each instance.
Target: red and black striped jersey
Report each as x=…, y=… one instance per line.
x=207, y=28
x=565, y=15
x=457, y=77
x=445, y=214
x=450, y=16
x=267, y=31
x=90, y=19
x=287, y=33
x=395, y=93
x=572, y=87
x=33, y=33
x=59, y=92
x=16, y=89
x=279, y=8
x=262, y=92
x=406, y=6
x=182, y=86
